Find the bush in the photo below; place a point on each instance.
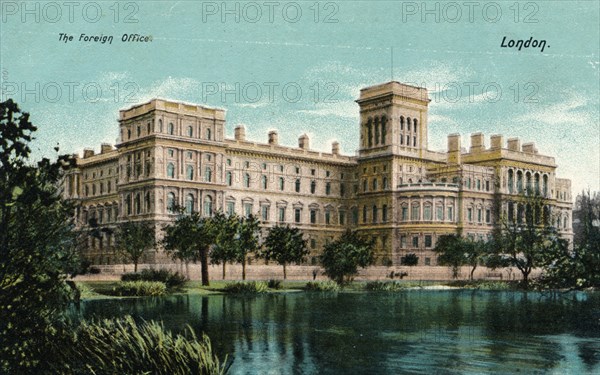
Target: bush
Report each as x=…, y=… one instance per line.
x=140, y=288
x=274, y=284
x=384, y=286
x=169, y=278
x=94, y=270
x=246, y=287
x=121, y=346
x=322, y=286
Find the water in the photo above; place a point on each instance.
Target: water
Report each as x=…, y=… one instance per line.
x=421, y=332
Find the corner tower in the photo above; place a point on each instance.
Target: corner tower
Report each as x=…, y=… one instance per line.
x=393, y=120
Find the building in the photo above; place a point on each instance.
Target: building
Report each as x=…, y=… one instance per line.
x=395, y=190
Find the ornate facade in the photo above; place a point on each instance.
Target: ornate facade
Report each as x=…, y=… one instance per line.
x=395, y=190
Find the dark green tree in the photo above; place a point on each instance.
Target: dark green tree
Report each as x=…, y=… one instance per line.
x=37, y=248
x=410, y=260
x=134, y=238
x=189, y=239
x=451, y=252
x=224, y=249
x=341, y=258
x=247, y=240
x=285, y=245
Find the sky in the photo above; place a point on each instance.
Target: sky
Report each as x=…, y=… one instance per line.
x=298, y=67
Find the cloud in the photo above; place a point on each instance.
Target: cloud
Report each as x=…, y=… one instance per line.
x=570, y=111
x=345, y=110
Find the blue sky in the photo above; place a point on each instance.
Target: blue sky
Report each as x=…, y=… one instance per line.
x=309, y=68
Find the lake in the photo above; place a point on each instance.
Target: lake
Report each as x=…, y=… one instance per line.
x=414, y=331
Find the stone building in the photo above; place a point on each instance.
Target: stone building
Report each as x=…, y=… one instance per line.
x=395, y=190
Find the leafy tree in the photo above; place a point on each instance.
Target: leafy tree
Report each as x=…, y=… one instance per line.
x=37, y=248
x=224, y=249
x=451, y=252
x=341, y=258
x=189, y=239
x=134, y=238
x=410, y=260
x=285, y=245
x=247, y=240
x=524, y=243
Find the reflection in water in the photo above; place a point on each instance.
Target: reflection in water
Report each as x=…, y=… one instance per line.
x=412, y=331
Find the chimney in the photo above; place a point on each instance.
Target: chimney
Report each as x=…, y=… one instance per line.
x=496, y=141
x=88, y=152
x=514, y=144
x=240, y=133
x=303, y=142
x=477, y=143
x=335, y=148
x=529, y=148
x=273, y=137
x=454, y=148
x=105, y=147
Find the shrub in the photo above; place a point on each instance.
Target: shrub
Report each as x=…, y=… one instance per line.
x=322, y=286
x=169, y=278
x=94, y=270
x=384, y=286
x=246, y=287
x=121, y=346
x=274, y=284
x=140, y=288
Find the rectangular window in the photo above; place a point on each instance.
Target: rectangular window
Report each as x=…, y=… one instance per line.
x=342, y=217
x=297, y=215
x=404, y=213
x=403, y=242
x=488, y=216
x=327, y=217
x=428, y=241
x=479, y=218
x=427, y=213
x=230, y=208
x=247, y=209
x=313, y=216
x=440, y=213
x=265, y=213
x=415, y=214
x=313, y=243
x=487, y=186
x=428, y=261
x=469, y=214
x=415, y=241
x=449, y=215
x=281, y=216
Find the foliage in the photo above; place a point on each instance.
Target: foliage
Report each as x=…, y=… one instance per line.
x=274, y=284
x=140, y=288
x=322, y=286
x=341, y=258
x=285, y=245
x=456, y=251
x=482, y=284
x=410, y=259
x=121, y=346
x=189, y=240
x=134, y=238
x=385, y=286
x=37, y=247
x=169, y=278
x=246, y=287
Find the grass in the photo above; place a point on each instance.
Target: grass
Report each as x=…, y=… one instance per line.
x=322, y=286
x=484, y=284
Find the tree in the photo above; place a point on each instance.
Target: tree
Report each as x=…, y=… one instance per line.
x=410, y=260
x=189, y=239
x=285, y=245
x=224, y=249
x=341, y=258
x=525, y=240
x=450, y=252
x=134, y=238
x=37, y=248
x=246, y=240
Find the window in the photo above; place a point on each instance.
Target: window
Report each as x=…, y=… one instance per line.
x=281, y=214
x=170, y=202
x=364, y=214
x=415, y=241
x=478, y=184
x=403, y=242
x=297, y=170
x=365, y=184
x=190, y=131
x=375, y=214
x=428, y=261
x=263, y=182
x=427, y=212
x=246, y=180
x=190, y=154
x=208, y=206
x=297, y=215
x=281, y=168
x=171, y=153
x=414, y=212
x=313, y=216
x=312, y=172
x=328, y=188
x=170, y=170
x=229, y=162
x=208, y=174
x=160, y=125
x=327, y=174
x=171, y=129
x=265, y=213
x=342, y=190
x=469, y=214
x=479, y=216
x=313, y=187
x=229, y=179
x=342, y=217
x=137, y=204
x=384, y=213
x=327, y=217
x=449, y=214
x=189, y=172
x=385, y=183
x=281, y=183
x=375, y=184
x=488, y=215
x=439, y=209
x=189, y=204
x=487, y=185
x=313, y=243
x=230, y=208
x=404, y=213
x=428, y=242
x=208, y=135
x=139, y=130
x=297, y=185
x=355, y=215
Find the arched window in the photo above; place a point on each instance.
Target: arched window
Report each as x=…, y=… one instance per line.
x=374, y=218
x=208, y=135
x=147, y=202
x=369, y=133
x=190, y=131
x=408, y=140
x=415, y=213
x=208, y=174
x=385, y=183
x=229, y=179
x=365, y=185
x=355, y=215
x=137, y=204
x=171, y=129
x=128, y=133
x=528, y=183
x=128, y=204
x=536, y=184
x=519, y=181
x=160, y=125
x=171, y=202
x=297, y=185
x=414, y=141
x=375, y=184
x=189, y=172
x=246, y=180
x=364, y=214
x=383, y=129
x=208, y=207
x=313, y=187
x=511, y=181
x=427, y=212
x=328, y=188
x=263, y=182
x=401, y=124
x=189, y=204
x=384, y=213
x=148, y=129
x=376, y=130
x=281, y=183
x=545, y=185
x=415, y=125
x=170, y=170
